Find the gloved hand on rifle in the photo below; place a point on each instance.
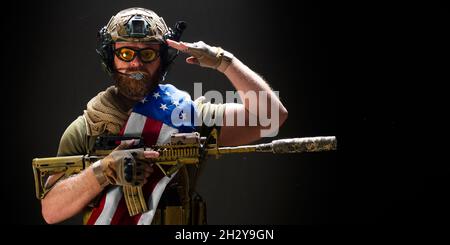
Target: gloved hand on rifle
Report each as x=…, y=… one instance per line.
x=124, y=166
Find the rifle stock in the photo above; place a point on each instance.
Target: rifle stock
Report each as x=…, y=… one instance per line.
x=45, y=167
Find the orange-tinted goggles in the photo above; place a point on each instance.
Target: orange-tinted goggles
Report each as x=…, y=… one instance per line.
x=128, y=54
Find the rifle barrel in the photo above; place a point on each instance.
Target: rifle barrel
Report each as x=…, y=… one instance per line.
x=293, y=145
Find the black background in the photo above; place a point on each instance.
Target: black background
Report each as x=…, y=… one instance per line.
x=367, y=74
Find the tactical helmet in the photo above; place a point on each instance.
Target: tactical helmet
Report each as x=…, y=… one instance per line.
x=137, y=25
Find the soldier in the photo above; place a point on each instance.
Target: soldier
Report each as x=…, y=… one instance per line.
x=137, y=48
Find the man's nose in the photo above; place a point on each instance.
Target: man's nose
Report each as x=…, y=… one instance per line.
x=136, y=62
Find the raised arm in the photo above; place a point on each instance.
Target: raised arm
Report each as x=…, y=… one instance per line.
x=264, y=112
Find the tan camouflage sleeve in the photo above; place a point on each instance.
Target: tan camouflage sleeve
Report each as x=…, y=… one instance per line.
x=75, y=140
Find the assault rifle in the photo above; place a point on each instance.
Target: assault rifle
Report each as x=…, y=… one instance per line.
x=183, y=149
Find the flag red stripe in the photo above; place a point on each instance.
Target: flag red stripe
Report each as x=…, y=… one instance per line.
x=122, y=130
x=120, y=214
x=151, y=131
x=97, y=211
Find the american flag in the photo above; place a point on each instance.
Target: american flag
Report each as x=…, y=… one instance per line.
x=151, y=119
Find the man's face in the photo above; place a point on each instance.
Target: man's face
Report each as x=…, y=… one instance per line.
x=136, y=78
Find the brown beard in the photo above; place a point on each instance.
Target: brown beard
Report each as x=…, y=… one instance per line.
x=135, y=85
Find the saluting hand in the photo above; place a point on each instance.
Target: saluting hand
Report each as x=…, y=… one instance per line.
x=202, y=54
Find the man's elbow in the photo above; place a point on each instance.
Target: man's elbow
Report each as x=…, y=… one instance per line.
x=283, y=115
x=48, y=213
